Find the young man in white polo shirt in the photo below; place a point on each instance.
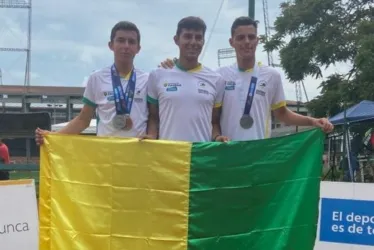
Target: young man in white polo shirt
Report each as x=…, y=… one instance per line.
x=116, y=93
x=253, y=90
x=185, y=101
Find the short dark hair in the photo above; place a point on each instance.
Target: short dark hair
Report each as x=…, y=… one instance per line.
x=191, y=22
x=124, y=25
x=242, y=21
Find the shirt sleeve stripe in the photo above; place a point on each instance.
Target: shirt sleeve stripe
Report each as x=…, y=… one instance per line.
x=152, y=100
x=278, y=105
x=89, y=102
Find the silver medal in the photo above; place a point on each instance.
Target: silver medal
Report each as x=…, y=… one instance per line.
x=246, y=121
x=119, y=122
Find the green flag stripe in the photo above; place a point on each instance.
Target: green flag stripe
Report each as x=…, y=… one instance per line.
x=256, y=195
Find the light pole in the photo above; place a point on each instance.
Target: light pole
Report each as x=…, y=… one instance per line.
x=54, y=110
x=251, y=9
x=225, y=54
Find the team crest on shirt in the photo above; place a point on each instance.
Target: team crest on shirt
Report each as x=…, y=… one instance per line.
x=202, y=84
x=109, y=95
x=262, y=84
x=261, y=88
x=201, y=88
x=230, y=85
x=138, y=98
x=172, y=86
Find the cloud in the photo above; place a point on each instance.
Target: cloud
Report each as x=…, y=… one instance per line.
x=12, y=34
x=69, y=40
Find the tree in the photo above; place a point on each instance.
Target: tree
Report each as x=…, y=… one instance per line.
x=312, y=34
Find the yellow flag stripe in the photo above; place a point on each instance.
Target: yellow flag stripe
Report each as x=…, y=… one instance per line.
x=16, y=182
x=116, y=195
x=44, y=199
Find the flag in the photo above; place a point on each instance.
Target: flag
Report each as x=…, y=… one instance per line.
x=115, y=193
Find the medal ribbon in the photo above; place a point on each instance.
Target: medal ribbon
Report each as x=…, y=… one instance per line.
x=123, y=100
x=251, y=91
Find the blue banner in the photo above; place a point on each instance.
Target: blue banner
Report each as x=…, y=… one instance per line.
x=347, y=221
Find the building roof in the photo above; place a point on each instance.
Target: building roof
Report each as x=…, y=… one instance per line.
x=41, y=90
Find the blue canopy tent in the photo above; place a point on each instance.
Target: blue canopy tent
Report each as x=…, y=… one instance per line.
x=361, y=112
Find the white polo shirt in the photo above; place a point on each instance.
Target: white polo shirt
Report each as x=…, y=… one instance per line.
x=269, y=95
x=186, y=100
x=99, y=94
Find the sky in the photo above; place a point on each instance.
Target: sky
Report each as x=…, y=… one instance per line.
x=69, y=38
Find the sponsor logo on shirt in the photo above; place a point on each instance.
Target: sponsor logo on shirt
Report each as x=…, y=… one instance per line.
x=109, y=95
x=230, y=85
x=169, y=89
x=260, y=91
x=203, y=91
x=172, y=86
x=201, y=88
x=138, y=98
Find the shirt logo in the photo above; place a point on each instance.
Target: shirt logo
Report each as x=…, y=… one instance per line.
x=170, y=87
x=260, y=92
x=230, y=85
x=109, y=95
x=138, y=98
x=203, y=91
x=202, y=84
x=262, y=84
